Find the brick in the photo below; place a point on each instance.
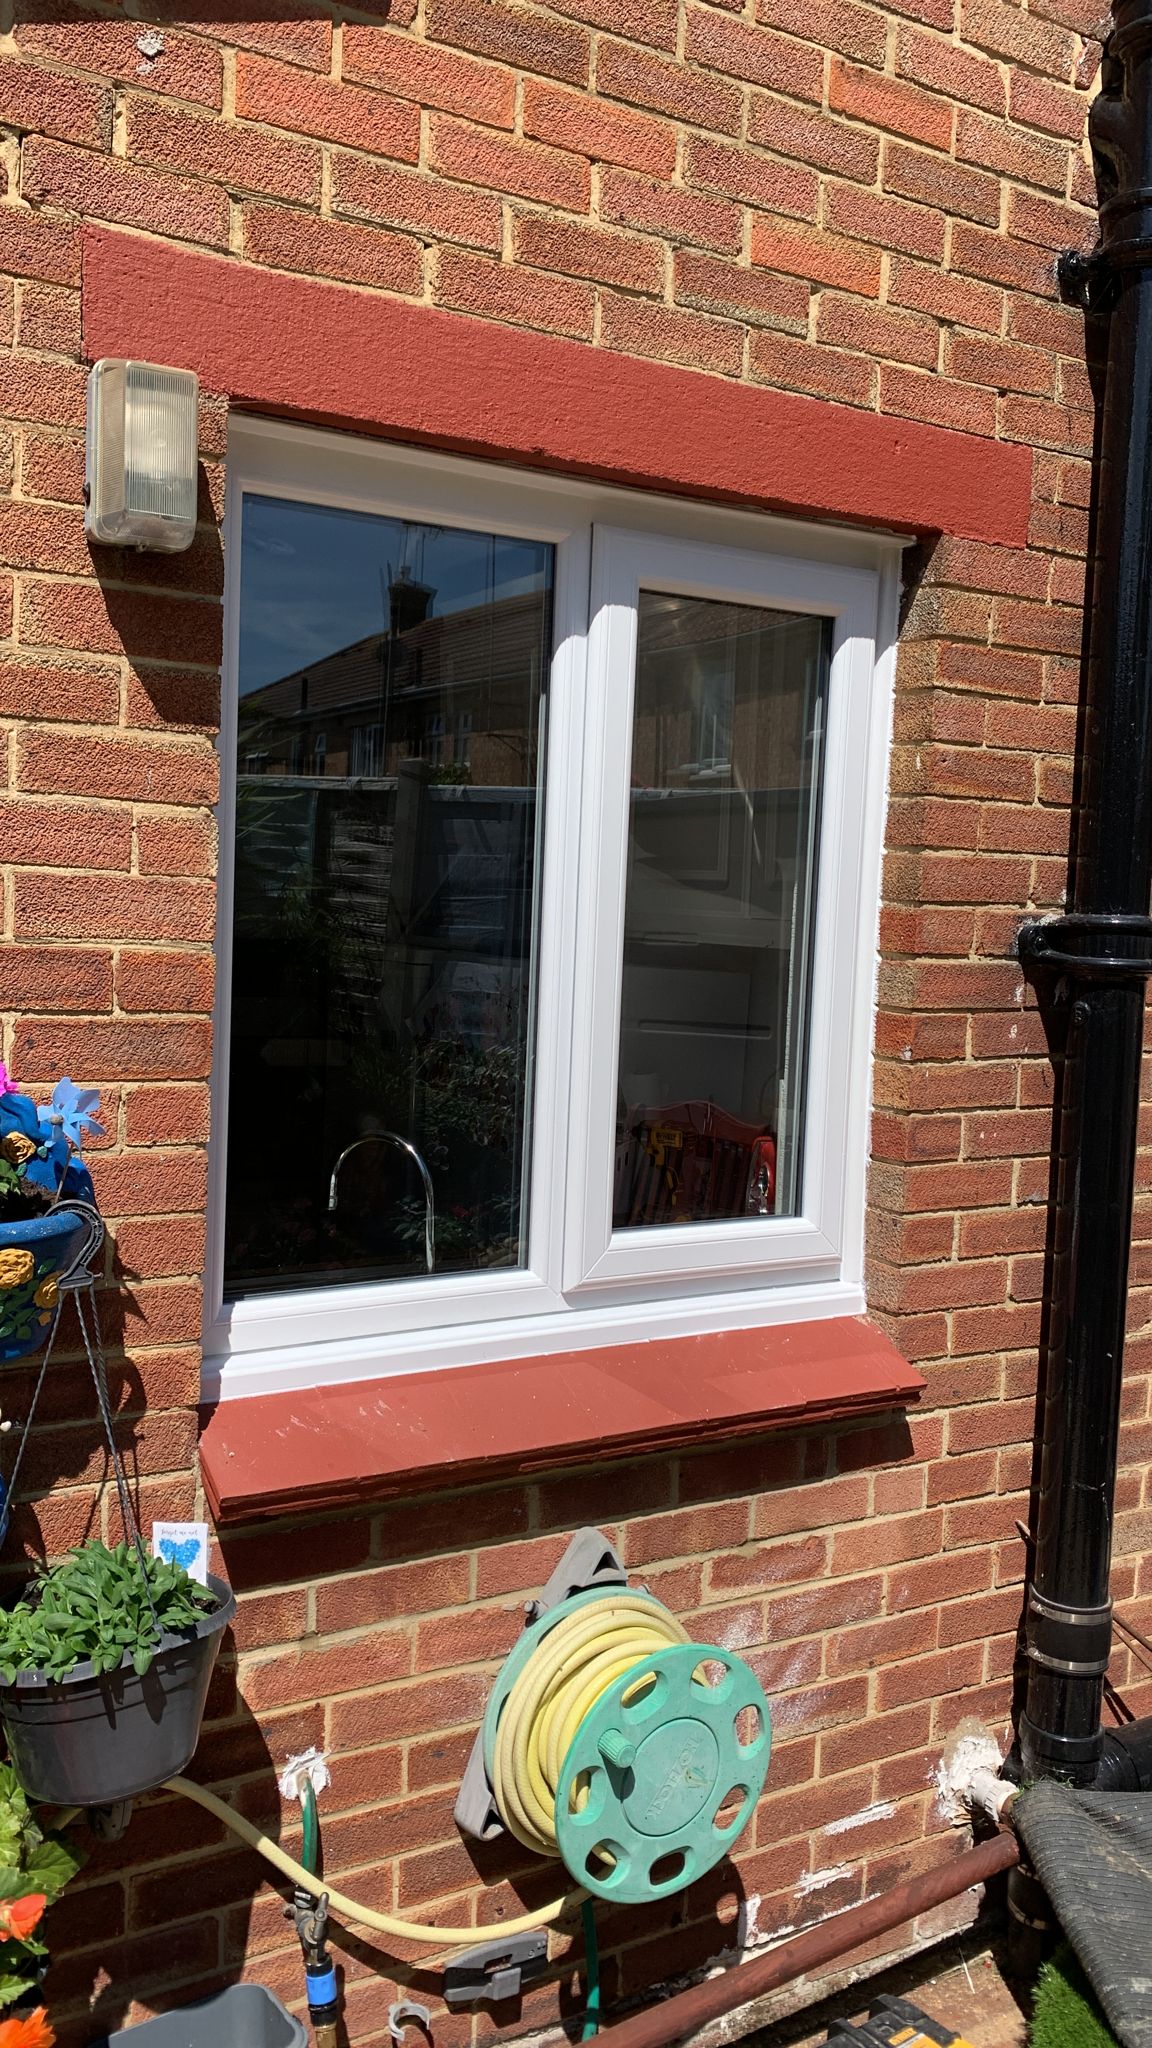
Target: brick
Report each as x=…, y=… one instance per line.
x=109, y=188
x=405, y=199
x=660, y=209
x=55, y=978
x=859, y=32
x=821, y=258
x=50, y=319
x=286, y=97
x=938, y=181
x=323, y=1672
x=521, y=36
x=88, y=694
x=166, y=1116
x=849, y=323
x=739, y=50
x=1039, y=104
x=825, y=372
x=997, y=146
x=286, y=239
x=1006, y=32
x=654, y=22
x=1048, y=221
x=363, y=1598
x=120, y=1049
x=686, y=1531
x=55, y=834
x=572, y=121
x=887, y=223
x=51, y=394
x=34, y=247
x=164, y=980
x=945, y=68
x=186, y=67
x=97, y=621
x=813, y=138
x=670, y=335
x=173, y=699
x=955, y=299
x=117, y=765
x=161, y=1250
x=759, y=1566
x=485, y=157
x=243, y=159
x=594, y=252
x=179, y=845
x=920, y=396
x=398, y=1711
x=45, y=103
x=72, y=906
x=431, y=76
x=890, y=104
x=502, y=291
x=729, y=288
x=642, y=79
x=779, y=188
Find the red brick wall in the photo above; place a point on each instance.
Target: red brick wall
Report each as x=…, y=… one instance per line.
x=848, y=200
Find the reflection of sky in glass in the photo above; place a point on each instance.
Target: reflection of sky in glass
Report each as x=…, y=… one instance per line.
x=315, y=579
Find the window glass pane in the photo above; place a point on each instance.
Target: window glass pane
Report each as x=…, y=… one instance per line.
x=723, y=820
x=388, y=764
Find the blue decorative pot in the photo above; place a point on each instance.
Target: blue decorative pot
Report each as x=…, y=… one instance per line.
x=31, y=1255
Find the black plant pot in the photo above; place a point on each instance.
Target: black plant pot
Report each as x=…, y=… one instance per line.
x=85, y=1740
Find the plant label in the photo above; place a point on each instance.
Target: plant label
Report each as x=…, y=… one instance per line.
x=183, y=1543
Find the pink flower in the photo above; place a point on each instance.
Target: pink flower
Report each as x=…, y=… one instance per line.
x=7, y=1084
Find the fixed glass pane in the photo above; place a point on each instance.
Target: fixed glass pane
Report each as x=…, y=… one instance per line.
x=389, y=756
x=723, y=822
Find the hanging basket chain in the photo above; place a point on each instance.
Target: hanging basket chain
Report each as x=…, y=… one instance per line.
x=79, y=1284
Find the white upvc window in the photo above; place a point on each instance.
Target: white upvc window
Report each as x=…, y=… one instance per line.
x=550, y=827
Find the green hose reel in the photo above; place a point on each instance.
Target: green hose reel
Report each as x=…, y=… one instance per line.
x=664, y=1771
x=663, y=1774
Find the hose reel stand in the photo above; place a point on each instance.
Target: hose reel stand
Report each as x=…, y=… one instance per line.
x=652, y=1761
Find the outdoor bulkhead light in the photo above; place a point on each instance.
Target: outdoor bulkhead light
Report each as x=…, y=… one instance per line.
x=140, y=458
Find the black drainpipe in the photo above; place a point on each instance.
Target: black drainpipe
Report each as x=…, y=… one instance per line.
x=1089, y=968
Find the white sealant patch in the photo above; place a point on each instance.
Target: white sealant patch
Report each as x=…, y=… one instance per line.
x=970, y=1749
x=882, y=1810
x=819, y=1880
x=310, y=1764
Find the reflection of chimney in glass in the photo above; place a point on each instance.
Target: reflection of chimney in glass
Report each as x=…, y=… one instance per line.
x=409, y=602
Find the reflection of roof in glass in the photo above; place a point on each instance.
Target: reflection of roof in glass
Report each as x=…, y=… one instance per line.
x=459, y=649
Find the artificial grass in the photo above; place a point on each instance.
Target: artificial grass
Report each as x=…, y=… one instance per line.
x=1066, y=2013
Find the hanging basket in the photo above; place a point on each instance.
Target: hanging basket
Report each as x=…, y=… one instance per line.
x=32, y=1256
x=85, y=1740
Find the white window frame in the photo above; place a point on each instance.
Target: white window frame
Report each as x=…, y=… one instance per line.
x=583, y=1284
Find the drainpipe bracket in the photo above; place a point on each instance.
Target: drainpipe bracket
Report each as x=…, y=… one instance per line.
x=1085, y=278
x=1091, y=945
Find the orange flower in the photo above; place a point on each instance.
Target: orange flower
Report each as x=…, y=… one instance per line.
x=18, y=1917
x=32, y=2032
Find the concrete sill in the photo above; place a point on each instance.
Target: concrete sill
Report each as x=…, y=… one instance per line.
x=369, y=1440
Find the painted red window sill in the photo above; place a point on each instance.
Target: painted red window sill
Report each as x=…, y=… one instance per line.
x=330, y=1447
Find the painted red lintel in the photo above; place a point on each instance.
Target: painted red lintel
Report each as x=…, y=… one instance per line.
x=329, y=353
x=328, y=1447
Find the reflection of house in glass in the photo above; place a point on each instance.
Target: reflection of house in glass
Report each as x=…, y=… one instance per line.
x=386, y=836
x=448, y=689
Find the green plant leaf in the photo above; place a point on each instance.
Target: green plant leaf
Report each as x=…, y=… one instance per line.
x=51, y=1866
x=11, y=1986
x=97, y=1604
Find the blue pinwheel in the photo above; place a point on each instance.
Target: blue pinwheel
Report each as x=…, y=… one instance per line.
x=71, y=1113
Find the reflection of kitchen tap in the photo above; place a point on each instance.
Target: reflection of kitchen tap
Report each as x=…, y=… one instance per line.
x=391, y=1138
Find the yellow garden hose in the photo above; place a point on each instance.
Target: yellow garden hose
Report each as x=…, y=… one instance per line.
x=362, y=1916
x=588, y=1650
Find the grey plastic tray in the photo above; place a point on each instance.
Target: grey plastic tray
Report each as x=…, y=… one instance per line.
x=244, y=2016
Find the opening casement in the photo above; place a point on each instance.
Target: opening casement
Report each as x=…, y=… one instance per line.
x=550, y=833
